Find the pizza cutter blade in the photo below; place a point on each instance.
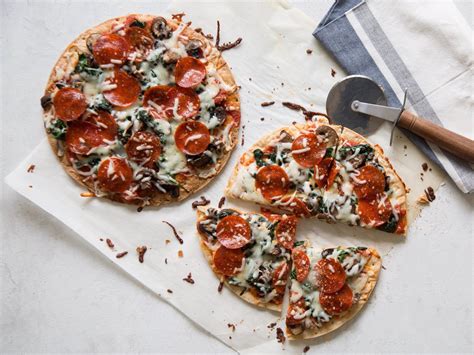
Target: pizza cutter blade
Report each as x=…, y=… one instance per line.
x=359, y=103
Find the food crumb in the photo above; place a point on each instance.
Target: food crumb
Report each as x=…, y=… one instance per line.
x=262, y=119
x=167, y=241
x=280, y=336
x=424, y=166
x=271, y=325
x=267, y=103
x=121, y=254
x=430, y=195
x=306, y=349
x=309, y=51
x=30, y=186
x=202, y=202
x=169, y=291
x=141, y=250
x=189, y=279
x=221, y=202
x=333, y=72
x=101, y=239
x=31, y=168
x=109, y=243
x=231, y=326
x=180, y=253
x=87, y=194
x=166, y=261
x=139, y=209
x=220, y=287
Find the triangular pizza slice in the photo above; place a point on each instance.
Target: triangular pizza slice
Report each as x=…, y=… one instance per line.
x=249, y=252
x=322, y=170
x=328, y=287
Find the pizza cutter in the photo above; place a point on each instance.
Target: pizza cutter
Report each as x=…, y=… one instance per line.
x=359, y=103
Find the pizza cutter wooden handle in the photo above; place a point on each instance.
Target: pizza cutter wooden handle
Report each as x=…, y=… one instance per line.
x=454, y=143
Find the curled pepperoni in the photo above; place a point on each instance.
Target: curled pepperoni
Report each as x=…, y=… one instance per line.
x=307, y=150
x=272, y=181
x=295, y=206
x=228, y=261
x=301, y=263
x=166, y=101
x=92, y=132
x=110, y=48
x=374, y=212
x=114, y=174
x=139, y=38
x=279, y=277
x=369, y=182
x=331, y=276
x=192, y=137
x=126, y=90
x=189, y=72
x=338, y=302
x=285, y=231
x=144, y=148
x=322, y=170
x=296, y=312
x=233, y=232
x=69, y=104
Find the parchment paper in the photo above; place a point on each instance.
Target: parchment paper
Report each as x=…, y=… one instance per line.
x=271, y=65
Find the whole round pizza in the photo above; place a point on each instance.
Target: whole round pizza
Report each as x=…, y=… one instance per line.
x=142, y=110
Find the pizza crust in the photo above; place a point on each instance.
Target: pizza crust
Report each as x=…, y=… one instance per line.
x=398, y=186
x=247, y=295
x=372, y=269
x=68, y=61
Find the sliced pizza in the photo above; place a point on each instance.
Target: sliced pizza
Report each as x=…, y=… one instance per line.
x=142, y=110
x=328, y=287
x=321, y=170
x=249, y=252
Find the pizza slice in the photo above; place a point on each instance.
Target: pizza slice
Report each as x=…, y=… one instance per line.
x=326, y=171
x=328, y=287
x=249, y=252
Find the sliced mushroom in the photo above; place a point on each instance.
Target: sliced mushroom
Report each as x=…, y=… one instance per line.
x=91, y=40
x=220, y=113
x=160, y=29
x=328, y=135
x=193, y=48
x=170, y=57
x=285, y=137
x=46, y=101
x=172, y=190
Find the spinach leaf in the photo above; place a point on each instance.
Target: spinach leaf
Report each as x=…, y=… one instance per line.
x=84, y=65
x=137, y=23
x=298, y=243
x=293, y=274
x=143, y=116
x=58, y=129
x=259, y=156
x=390, y=226
x=342, y=255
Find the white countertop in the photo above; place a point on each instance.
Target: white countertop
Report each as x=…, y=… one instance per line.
x=59, y=295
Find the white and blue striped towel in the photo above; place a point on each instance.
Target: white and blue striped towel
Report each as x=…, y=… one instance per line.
x=424, y=46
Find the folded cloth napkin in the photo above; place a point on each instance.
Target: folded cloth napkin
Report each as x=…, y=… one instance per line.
x=422, y=46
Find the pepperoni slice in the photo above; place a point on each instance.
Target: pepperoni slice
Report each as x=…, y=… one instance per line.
x=92, y=132
x=296, y=206
x=374, y=212
x=228, y=261
x=338, y=302
x=295, y=313
x=272, y=181
x=192, y=137
x=301, y=263
x=279, y=278
x=114, y=174
x=369, y=182
x=139, y=38
x=69, y=104
x=144, y=148
x=307, y=150
x=110, y=48
x=285, y=231
x=220, y=97
x=322, y=172
x=126, y=91
x=166, y=101
x=189, y=72
x=233, y=232
x=331, y=276
x=332, y=175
